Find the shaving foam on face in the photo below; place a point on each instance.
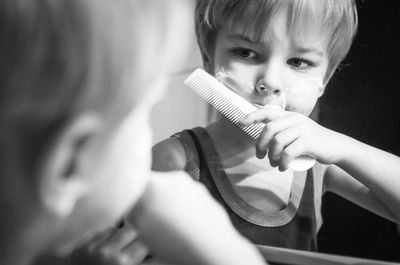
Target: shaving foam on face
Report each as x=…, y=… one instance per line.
x=307, y=84
x=246, y=90
x=304, y=94
x=233, y=82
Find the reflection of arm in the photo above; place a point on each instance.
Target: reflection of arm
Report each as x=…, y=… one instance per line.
x=168, y=155
x=369, y=177
x=182, y=224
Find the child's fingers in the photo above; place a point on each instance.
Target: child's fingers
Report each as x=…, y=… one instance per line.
x=96, y=240
x=108, y=249
x=134, y=255
x=280, y=141
x=292, y=151
x=120, y=238
x=269, y=132
x=136, y=252
x=86, y=252
x=263, y=141
x=262, y=115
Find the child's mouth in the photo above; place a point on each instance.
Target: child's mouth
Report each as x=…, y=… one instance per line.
x=267, y=106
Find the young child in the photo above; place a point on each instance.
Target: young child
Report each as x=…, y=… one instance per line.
x=279, y=55
x=78, y=79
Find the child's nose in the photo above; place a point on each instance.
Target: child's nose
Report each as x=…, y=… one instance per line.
x=269, y=80
x=268, y=90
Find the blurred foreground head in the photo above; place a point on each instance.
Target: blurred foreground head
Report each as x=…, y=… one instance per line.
x=78, y=79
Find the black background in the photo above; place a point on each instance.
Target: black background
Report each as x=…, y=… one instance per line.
x=363, y=101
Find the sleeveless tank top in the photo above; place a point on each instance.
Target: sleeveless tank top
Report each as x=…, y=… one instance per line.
x=292, y=227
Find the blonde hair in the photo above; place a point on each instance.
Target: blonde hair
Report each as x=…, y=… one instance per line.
x=338, y=20
x=60, y=57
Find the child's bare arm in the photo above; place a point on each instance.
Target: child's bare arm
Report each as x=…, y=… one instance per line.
x=363, y=174
x=367, y=176
x=181, y=223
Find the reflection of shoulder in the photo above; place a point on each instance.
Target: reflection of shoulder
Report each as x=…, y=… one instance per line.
x=168, y=155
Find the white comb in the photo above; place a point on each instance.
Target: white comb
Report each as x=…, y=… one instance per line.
x=234, y=107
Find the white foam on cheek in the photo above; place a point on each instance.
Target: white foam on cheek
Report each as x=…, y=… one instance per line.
x=246, y=88
x=284, y=99
x=304, y=91
x=233, y=82
x=309, y=84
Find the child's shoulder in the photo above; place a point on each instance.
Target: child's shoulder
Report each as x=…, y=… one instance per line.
x=169, y=155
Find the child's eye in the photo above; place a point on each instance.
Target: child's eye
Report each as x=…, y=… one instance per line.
x=300, y=63
x=245, y=53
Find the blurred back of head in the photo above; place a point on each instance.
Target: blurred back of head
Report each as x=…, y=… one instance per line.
x=61, y=58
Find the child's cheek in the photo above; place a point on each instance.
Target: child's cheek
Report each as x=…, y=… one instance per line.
x=303, y=96
x=140, y=140
x=301, y=101
x=130, y=161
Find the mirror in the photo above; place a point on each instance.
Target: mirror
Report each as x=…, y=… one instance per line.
x=360, y=101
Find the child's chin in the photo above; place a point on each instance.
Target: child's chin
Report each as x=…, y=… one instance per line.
x=268, y=106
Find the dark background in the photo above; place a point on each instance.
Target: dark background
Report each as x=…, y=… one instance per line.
x=363, y=101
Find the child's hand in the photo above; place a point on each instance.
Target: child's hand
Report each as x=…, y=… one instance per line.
x=116, y=246
x=289, y=134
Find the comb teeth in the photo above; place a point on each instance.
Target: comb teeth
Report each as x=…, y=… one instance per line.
x=230, y=104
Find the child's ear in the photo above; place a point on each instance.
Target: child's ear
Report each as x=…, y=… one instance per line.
x=324, y=83
x=322, y=90
x=61, y=182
